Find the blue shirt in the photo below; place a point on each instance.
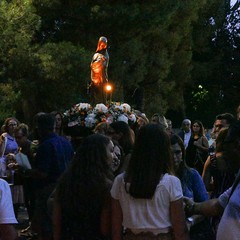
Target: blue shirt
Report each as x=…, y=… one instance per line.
x=193, y=186
x=53, y=157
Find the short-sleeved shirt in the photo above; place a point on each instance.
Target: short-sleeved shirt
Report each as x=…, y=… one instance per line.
x=11, y=147
x=229, y=226
x=6, y=206
x=193, y=186
x=148, y=214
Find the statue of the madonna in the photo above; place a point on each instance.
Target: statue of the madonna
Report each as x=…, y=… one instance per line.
x=99, y=76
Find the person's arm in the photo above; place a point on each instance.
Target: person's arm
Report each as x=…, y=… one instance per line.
x=199, y=195
x=178, y=220
x=8, y=232
x=105, y=222
x=7, y=216
x=193, y=220
x=57, y=220
x=117, y=219
x=206, y=175
x=208, y=208
x=198, y=188
x=202, y=144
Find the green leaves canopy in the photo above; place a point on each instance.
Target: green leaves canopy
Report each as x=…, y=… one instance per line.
x=47, y=46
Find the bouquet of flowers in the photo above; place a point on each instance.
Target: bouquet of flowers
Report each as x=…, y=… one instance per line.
x=76, y=114
x=83, y=114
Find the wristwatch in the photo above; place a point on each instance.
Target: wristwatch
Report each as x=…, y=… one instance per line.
x=190, y=220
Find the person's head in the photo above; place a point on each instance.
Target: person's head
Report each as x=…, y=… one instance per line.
x=222, y=121
x=95, y=150
x=10, y=125
x=178, y=151
x=117, y=158
x=197, y=128
x=169, y=128
x=159, y=119
x=21, y=134
x=231, y=146
x=45, y=123
x=101, y=128
x=11, y=161
x=89, y=175
x=151, y=158
x=221, y=163
x=121, y=132
x=58, y=121
x=186, y=125
x=142, y=120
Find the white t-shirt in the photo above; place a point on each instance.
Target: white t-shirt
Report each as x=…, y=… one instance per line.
x=7, y=215
x=187, y=136
x=148, y=214
x=229, y=226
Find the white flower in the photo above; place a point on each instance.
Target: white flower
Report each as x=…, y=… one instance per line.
x=101, y=108
x=110, y=119
x=132, y=117
x=123, y=118
x=82, y=106
x=90, y=120
x=126, y=107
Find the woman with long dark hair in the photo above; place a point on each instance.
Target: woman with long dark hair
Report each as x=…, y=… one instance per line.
x=82, y=201
x=197, y=149
x=147, y=199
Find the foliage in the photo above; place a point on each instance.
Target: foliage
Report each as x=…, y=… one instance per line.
x=47, y=76
x=8, y=99
x=161, y=50
x=215, y=62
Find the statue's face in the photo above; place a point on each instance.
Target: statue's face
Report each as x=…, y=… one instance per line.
x=102, y=45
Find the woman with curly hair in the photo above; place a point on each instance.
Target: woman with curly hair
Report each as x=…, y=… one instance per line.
x=82, y=198
x=147, y=200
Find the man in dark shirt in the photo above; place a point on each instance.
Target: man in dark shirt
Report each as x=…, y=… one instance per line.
x=53, y=156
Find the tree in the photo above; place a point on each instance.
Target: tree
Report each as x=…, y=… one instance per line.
x=157, y=51
x=215, y=63
x=41, y=77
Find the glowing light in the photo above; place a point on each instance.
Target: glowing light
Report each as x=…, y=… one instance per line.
x=108, y=88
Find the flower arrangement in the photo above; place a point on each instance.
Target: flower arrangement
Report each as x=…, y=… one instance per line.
x=83, y=114
x=76, y=114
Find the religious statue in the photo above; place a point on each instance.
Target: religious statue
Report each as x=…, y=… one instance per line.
x=99, y=76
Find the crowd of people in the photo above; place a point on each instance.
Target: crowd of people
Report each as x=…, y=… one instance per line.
x=117, y=181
